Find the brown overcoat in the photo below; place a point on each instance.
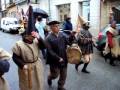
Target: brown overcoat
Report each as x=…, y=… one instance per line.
x=31, y=78
x=3, y=84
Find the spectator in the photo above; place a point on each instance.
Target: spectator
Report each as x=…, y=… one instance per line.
x=40, y=26
x=111, y=43
x=67, y=25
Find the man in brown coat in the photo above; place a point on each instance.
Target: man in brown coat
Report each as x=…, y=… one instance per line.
x=26, y=56
x=30, y=68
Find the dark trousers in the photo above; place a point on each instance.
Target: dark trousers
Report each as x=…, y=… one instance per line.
x=44, y=53
x=112, y=59
x=55, y=72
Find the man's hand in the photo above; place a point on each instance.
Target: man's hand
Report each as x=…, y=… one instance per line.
x=25, y=67
x=61, y=60
x=35, y=34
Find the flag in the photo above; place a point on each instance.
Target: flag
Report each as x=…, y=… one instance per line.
x=18, y=14
x=21, y=14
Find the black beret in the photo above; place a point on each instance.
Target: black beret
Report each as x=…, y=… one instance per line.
x=53, y=22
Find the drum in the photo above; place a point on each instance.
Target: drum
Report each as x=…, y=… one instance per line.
x=74, y=54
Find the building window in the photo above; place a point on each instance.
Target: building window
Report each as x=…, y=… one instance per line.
x=3, y=21
x=65, y=16
x=34, y=1
x=63, y=11
x=85, y=9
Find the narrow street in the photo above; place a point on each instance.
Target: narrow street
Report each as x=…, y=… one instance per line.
x=102, y=76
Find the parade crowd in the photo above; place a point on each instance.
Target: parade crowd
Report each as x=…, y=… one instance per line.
x=53, y=44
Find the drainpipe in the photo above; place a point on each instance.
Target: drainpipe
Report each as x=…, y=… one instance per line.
x=0, y=11
x=100, y=15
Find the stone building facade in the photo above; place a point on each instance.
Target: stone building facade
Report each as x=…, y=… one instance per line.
x=95, y=11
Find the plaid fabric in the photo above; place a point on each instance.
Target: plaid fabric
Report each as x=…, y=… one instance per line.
x=85, y=42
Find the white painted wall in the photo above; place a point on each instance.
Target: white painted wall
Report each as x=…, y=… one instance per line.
x=75, y=10
x=95, y=16
x=74, y=6
x=74, y=13
x=44, y=5
x=3, y=5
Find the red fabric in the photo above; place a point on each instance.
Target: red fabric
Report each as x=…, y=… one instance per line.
x=110, y=42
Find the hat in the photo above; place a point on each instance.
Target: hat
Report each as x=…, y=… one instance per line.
x=68, y=18
x=4, y=66
x=53, y=22
x=82, y=20
x=31, y=22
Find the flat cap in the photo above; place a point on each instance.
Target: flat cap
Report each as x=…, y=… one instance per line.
x=53, y=22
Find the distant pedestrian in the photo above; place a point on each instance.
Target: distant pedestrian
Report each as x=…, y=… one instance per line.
x=56, y=54
x=40, y=26
x=67, y=25
x=85, y=43
x=112, y=47
x=4, y=67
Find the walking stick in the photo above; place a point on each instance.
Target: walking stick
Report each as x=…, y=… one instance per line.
x=29, y=77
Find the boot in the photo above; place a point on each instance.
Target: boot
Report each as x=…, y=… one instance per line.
x=84, y=68
x=61, y=88
x=112, y=61
x=76, y=65
x=49, y=82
